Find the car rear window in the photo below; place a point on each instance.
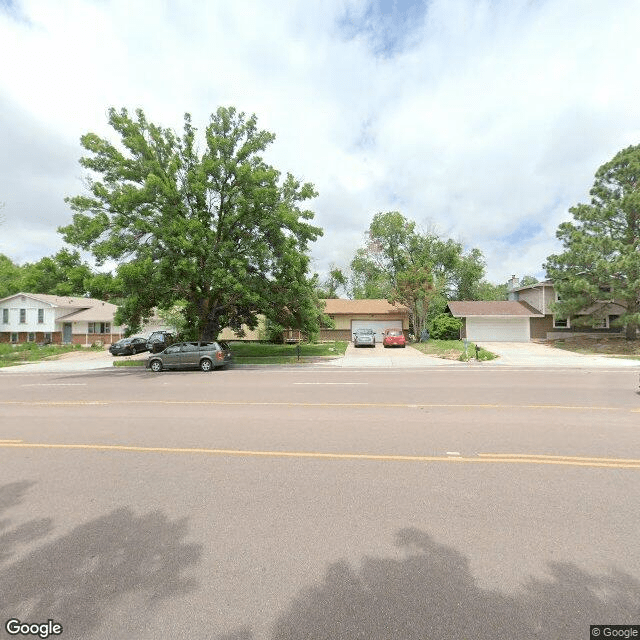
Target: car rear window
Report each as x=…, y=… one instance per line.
x=394, y=332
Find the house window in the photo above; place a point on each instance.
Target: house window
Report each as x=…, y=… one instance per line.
x=14, y=337
x=40, y=316
x=5, y=316
x=603, y=324
x=48, y=338
x=99, y=327
x=560, y=323
x=31, y=337
x=23, y=316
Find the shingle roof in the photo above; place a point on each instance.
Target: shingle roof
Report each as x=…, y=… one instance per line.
x=102, y=312
x=546, y=283
x=59, y=301
x=90, y=309
x=463, y=309
x=339, y=306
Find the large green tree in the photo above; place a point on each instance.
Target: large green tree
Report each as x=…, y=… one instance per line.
x=63, y=274
x=601, y=258
x=10, y=277
x=418, y=269
x=218, y=230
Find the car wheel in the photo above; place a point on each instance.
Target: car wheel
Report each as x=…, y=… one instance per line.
x=156, y=366
x=206, y=365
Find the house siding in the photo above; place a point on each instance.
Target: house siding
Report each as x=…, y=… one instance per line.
x=540, y=327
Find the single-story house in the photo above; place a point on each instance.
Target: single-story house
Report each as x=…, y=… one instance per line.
x=527, y=315
x=35, y=317
x=349, y=315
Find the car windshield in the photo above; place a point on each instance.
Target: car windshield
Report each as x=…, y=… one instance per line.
x=364, y=332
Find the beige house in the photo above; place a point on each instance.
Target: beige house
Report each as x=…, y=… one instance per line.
x=349, y=315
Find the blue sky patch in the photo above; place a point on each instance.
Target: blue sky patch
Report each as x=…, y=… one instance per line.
x=525, y=231
x=387, y=24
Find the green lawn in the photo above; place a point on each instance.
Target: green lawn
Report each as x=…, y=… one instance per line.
x=11, y=355
x=452, y=350
x=264, y=350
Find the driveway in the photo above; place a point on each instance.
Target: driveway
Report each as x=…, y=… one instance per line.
x=81, y=360
x=534, y=354
x=392, y=357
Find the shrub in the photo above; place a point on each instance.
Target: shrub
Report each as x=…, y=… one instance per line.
x=445, y=327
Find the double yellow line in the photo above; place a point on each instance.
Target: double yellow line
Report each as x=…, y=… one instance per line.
x=481, y=458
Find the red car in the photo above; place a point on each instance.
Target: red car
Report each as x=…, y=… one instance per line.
x=394, y=338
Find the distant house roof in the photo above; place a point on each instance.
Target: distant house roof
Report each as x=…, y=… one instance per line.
x=514, y=308
x=102, y=312
x=339, y=306
x=59, y=301
x=546, y=283
x=89, y=309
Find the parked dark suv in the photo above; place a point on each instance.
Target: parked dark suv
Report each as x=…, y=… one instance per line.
x=191, y=355
x=159, y=341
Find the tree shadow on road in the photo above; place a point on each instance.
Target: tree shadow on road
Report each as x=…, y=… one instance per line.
x=75, y=578
x=431, y=594
x=11, y=539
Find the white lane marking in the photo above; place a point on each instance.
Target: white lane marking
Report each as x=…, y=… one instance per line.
x=7, y=441
x=56, y=384
x=453, y=453
x=338, y=383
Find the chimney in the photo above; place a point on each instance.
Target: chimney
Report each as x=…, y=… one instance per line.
x=511, y=285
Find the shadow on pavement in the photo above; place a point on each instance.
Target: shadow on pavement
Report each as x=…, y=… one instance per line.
x=431, y=593
x=75, y=578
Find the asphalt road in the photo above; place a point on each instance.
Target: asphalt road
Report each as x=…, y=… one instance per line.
x=321, y=503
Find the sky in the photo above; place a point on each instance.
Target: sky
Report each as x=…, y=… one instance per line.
x=482, y=120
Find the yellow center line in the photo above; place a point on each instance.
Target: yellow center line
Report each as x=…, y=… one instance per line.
x=544, y=456
x=339, y=405
x=612, y=463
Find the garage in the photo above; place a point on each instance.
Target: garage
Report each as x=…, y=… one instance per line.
x=377, y=325
x=495, y=320
x=498, y=329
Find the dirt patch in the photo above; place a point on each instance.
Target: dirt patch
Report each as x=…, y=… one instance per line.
x=600, y=345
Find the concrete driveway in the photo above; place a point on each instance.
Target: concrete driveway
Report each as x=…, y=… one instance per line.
x=541, y=355
x=81, y=360
x=395, y=357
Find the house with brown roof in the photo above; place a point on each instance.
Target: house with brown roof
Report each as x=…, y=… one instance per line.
x=31, y=317
x=528, y=315
x=349, y=315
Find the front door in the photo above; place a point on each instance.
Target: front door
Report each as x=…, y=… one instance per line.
x=66, y=333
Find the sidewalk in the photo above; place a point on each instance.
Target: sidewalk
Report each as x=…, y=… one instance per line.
x=391, y=358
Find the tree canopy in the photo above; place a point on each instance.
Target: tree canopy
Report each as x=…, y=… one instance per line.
x=600, y=263
x=62, y=274
x=218, y=231
x=418, y=269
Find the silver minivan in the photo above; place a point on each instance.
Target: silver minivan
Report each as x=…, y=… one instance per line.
x=192, y=355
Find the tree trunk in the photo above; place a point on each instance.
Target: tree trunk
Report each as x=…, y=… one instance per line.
x=631, y=328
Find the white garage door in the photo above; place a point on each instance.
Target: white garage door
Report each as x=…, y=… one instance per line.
x=377, y=325
x=498, y=329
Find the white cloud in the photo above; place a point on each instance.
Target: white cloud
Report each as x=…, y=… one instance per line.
x=489, y=117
